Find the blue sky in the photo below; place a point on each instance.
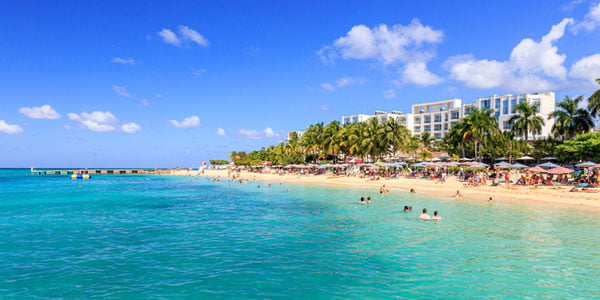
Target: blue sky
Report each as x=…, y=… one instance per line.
x=149, y=84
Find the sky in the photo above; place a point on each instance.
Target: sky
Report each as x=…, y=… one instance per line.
x=165, y=84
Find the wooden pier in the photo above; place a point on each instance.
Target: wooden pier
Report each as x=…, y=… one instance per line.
x=103, y=171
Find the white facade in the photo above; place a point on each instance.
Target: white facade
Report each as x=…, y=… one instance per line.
x=353, y=119
x=404, y=119
x=503, y=106
x=437, y=117
x=297, y=132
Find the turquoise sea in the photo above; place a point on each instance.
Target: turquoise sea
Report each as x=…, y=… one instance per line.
x=178, y=237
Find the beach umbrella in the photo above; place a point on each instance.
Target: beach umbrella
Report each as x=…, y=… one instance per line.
x=267, y=163
x=450, y=164
x=479, y=164
x=587, y=164
x=549, y=158
x=379, y=163
x=518, y=166
x=537, y=170
x=353, y=160
x=204, y=163
x=501, y=158
x=418, y=165
x=526, y=158
x=502, y=165
x=548, y=165
x=432, y=166
x=560, y=170
x=476, y=167
x=465, y=159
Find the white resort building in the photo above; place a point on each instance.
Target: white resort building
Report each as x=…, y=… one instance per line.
x=437, y=117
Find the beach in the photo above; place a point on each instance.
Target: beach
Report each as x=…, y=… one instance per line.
x=546, y=195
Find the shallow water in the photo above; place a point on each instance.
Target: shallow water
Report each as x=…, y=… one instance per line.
x=170, y=237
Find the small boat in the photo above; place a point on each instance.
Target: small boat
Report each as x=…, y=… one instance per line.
x=81, y=176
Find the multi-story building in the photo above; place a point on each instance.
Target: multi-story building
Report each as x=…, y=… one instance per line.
x=382, y=116
x=504, y=108
x=437, y=117
x=353, y=119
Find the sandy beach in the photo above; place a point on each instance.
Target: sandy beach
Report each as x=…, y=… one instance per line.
x=547, y=195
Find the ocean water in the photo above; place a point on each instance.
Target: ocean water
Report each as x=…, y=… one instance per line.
x=180, y=237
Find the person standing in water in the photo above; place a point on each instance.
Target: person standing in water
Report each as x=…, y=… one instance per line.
x=436, y=216
x=424, y=215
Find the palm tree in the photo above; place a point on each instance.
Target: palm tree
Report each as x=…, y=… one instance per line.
x=426, y=140
x=371, y=142
x=594, y=102
x=331, y=139
x=526, y=120
x=570, y=119
x=413, y=146
x=394, y=137
x=312, y=139
x=477, y=125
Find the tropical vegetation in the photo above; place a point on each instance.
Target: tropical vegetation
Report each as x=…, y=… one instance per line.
x=476, y=135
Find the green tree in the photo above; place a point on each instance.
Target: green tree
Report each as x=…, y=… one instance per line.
x=477, y=126
x=526, y=120
x=582, y=147
x=594, y=102
x=570, y=119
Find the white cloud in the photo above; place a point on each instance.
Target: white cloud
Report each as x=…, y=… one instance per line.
x=587, y=68
x=10, y=128
x=124, y=61
x=186, y=34
x=221, y=132
x=327, y=86
x=412, y=45
x=169, y=37
x=41, y=112
x=533, y=66
x=97, y=121
x=189, y=122
x=343, y=82
x=324, y=107
x=192, y=35
x=257, y=135
x=121, y=90
x=145, y=102
x=130, y=128
x=417, y=73
x=198, y=72
x=389, y=94
x=591, y=21
x=158, y=95
x=269, y=132
x=348, y=81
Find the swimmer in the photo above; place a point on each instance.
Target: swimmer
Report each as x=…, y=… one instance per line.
x=287, y=190
x=458, y=195
x=412, y=191
x=269, y=185
x=436, y=216
x=258, y=186
x=362, y=200
x=407, y=208
x=424, y=215
x=490, y=199
x=368, y=199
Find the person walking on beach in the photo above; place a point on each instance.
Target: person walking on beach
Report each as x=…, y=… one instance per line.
x=424, y=215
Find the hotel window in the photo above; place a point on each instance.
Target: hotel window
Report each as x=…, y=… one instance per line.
x=446, y=117
x=438, y=127
x=438, y=136
x=427, y=120
x=497, y=115
x=497, y=106
x=536, y=103
x=417, y=128
x=428, y=128
x=354, y=119
x=513, y=103
x=438, y=118
x=485, y=104
x=507, y=125
x=467, y=111
x=455, y=115
x=445, y=126
x=417, y=120
x=505, y=107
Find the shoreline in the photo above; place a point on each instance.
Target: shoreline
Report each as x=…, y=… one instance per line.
x=520, y=194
